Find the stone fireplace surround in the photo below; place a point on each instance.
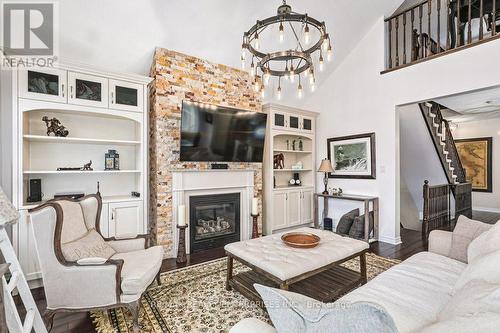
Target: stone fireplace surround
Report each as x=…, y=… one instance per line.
x=188, y=183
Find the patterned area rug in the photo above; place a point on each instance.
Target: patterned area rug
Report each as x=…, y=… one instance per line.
x=194, y=299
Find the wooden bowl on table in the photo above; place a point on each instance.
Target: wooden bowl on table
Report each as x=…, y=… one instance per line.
x=300, y=240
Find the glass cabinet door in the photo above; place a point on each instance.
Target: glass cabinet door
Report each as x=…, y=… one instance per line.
x=87, y=90
x=307, y=124
x=43, y=84
x=279, y=120
x=294, y=122
x=125, y=96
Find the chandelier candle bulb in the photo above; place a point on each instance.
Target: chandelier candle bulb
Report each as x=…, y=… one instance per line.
x=255, y=206
x=181, y=215
x=329, y=53
x=282, y=32
x=306, y=35
x=278, y=93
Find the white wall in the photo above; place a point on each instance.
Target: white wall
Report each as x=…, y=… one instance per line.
x=356, y=98
x=418, y=158
x=477, y=129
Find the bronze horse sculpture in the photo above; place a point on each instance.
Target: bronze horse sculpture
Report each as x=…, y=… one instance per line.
x=54, y=126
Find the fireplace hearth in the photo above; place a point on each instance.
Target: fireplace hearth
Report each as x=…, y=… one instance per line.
x=214, y=220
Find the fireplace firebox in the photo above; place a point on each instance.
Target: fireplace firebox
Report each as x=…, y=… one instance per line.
x=214, y=220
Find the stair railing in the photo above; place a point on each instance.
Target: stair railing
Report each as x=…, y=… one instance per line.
x=433, y=28
x=436, y=212
x=438, y=126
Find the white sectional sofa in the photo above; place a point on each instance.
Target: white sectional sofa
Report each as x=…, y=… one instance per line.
x=421, y=293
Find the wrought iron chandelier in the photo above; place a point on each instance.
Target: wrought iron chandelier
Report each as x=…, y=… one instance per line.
x=294, y=61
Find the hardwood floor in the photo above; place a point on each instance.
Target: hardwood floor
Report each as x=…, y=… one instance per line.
x=412, y=242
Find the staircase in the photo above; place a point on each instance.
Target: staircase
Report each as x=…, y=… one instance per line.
x=437, y=206
x=442, y=137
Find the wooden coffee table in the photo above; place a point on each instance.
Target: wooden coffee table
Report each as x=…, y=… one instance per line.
x=316, y=272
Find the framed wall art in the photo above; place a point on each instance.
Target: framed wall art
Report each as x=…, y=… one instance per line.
x=353, y=156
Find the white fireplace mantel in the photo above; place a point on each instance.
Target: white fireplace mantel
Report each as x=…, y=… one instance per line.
x=186, y=183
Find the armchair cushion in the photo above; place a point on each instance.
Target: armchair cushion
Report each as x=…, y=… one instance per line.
x=485, y=243
x=73, y=226
x=90, y=245
x=139, y=269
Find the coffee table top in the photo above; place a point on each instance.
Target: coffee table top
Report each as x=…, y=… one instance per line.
x=270, y=254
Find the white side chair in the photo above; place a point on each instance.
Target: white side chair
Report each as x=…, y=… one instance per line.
x=90, y=283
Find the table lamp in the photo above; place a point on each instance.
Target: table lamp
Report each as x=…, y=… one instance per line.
x=326, y=167
x=8, y=213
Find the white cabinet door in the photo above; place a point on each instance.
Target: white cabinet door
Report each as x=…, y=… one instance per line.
x=294, y=203
x=125, y=219
x=307, y=206
x=87, y=90
x=43, y=84
x=126, y=96
x=279, y=210
x=294, y=122
x=24, y=245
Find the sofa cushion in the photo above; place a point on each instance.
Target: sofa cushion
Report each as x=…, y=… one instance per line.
x=475, y=297
x=465, y=231
x=291, y=312
x=414, y=291
x=346, y=221
x=252, y=325
x=139, y=269
x=480, y=323
x=90, y=245
x=486, y=268
x=358, y=226
x=485, y=243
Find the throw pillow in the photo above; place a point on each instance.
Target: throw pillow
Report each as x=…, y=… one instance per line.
x=346, y=221
x=294, y=313
x=475, y=297
x=90, y=245
x=485, y=268
x=465, y=231
x=485, y=243
x=358, y=226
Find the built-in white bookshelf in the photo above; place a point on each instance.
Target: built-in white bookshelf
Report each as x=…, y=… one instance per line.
x=102, y=111
x=291, y=133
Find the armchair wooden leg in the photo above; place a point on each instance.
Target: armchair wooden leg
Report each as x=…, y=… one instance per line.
x=134, y=310
x=48, y=316
x=158, y=278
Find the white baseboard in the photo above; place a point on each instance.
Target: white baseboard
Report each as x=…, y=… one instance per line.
x=390, y=240
x=487, y=209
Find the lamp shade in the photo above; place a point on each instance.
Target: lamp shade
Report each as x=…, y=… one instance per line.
x=8, y=212
x=326, y=166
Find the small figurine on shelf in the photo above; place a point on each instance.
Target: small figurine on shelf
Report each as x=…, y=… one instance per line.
x=293, y=144
x=298, y=166
x=279, y=161
x=54, y=126
x=287, y=144
x=301, y=145
x=87, y=166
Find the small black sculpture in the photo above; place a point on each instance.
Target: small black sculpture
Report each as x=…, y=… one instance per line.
x=54, y=126
x=86, y=167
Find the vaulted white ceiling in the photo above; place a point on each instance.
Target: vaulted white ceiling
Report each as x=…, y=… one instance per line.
x=121, y=35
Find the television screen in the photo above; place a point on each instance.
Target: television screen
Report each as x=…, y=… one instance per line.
x=221, y=134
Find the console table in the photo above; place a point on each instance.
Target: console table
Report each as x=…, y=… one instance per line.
x=365, y=199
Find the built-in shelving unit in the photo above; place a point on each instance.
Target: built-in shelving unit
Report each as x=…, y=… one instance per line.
x=101, y=111
x=291, y=133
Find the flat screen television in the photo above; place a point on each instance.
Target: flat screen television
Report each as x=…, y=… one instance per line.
x=221, y=134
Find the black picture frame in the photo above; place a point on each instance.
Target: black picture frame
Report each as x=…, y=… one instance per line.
x=372, y=158
x=489, y=162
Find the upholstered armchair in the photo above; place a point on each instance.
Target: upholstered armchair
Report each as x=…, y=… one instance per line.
x=81, y=269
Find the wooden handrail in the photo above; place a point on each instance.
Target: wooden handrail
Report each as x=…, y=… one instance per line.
x=458, y=29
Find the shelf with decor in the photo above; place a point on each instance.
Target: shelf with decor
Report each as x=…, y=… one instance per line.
x=71, y=116
x=289, y=186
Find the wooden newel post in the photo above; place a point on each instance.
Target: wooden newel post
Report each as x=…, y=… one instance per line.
x=255, y=226
x=425, y=222
x=181, y=250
